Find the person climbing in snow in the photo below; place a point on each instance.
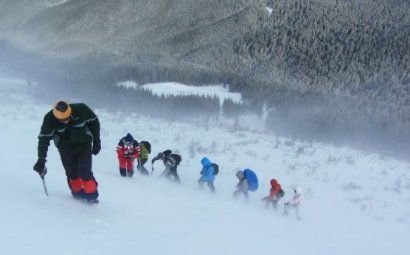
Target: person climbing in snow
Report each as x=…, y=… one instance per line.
x=295, y=202
x=248, y=181
x=207, y=174
x=171, y=162
x=127, y=151
x=75, y=130
x=276, y=193
x=143, y=158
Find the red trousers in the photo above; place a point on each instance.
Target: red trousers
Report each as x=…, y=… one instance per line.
x=126, y=163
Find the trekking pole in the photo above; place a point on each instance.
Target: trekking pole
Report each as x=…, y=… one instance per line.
x=44, y=182
x=152, y=169
x=44, y=186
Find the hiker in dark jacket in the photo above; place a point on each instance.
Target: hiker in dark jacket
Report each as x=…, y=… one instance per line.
x=171, y=162
x=75, y=130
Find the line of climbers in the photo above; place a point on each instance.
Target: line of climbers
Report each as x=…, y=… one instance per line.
x=75, y=130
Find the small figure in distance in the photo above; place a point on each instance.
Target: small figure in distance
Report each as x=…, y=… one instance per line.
x=145, y=147
x=248, y=181
x=208, y=173
x=171, y=162
x=276, y=193
x=295, y=202
x=127, y=151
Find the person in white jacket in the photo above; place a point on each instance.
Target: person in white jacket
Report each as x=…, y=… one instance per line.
x=295, y=202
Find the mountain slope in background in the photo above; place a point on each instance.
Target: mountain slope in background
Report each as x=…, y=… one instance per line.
x=14, y=13
x=144, y=29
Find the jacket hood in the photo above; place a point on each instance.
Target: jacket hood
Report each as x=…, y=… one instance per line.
x=273, y=182
x=205, y=161
x=128, y=138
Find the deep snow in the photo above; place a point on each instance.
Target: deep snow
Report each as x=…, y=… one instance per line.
x=355, y=203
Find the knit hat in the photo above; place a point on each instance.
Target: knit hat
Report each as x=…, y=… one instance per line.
x=62, y=110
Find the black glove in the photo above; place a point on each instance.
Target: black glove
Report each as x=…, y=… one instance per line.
x=96, y=147
x=40, y=167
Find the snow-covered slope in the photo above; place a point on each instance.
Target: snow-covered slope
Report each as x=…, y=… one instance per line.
x=356, y=203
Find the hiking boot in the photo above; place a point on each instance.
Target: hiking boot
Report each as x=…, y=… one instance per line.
x=92, y=201
x=78, y=195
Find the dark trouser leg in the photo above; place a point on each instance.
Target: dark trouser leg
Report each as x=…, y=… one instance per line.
x=275, y=204
x=144, y=171
x=74, y=181
x=246, y=195
x=123, y=172
x=201, y=183
x=141, y=167
x=129, y=166
x=211, y=186
x=286, y=209
x=77, y=165
x=174, y=174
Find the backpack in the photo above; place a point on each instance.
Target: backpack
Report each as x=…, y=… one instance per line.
x=176, y=157
x=281, y=193
x=147, y=145
x=216, y=168
x=252, y=179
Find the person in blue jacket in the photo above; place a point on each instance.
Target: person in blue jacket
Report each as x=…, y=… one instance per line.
x=207, y=174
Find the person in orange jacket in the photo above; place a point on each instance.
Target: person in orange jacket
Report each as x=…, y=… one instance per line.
x=276, y=193
x=128, y=150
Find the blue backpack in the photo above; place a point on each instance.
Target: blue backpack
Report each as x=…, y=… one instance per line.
x=252, y=179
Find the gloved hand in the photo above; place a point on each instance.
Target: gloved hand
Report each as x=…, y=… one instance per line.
x=40, y=167
x=96, y=147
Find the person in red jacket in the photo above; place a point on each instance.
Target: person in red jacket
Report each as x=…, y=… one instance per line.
x=276, y=193
x=128, y=149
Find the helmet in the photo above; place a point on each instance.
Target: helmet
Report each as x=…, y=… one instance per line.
x=62, y=110
x=239, y=174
